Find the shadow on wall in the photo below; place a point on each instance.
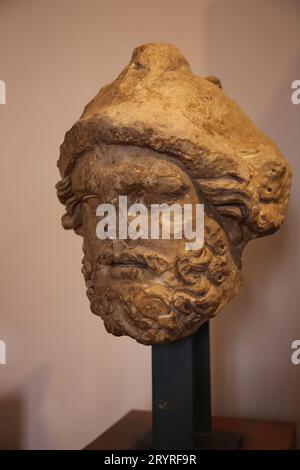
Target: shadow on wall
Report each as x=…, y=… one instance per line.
x=28, y=400
x=36, y=390
x=11, y=420
x=255, y=53
x=265, y=256
x=236, y=321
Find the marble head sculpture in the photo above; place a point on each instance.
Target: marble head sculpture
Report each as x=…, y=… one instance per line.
x=159, y=134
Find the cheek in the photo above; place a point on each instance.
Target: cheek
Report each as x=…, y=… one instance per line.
x=92, y=246
x=88, y=207
x=89, y=221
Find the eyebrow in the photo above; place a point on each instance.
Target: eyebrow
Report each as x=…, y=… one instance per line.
x=110, y=166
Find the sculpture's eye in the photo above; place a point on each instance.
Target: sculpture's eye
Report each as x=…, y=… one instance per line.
x=148, y=198
x=139, y=198
x=89, y=198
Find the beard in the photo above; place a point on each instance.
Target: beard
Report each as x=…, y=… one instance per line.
x=155, y=301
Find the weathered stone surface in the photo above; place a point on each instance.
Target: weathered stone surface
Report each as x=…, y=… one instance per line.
x=160, y=134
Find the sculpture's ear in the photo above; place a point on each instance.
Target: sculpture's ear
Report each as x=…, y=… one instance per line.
x=72, y=218
x=215, y=80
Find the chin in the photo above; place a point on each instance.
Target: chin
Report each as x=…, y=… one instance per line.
x=135, y=311
x=160, y=308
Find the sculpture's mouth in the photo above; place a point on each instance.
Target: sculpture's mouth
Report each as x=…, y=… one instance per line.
x=128, y=263
x=130, y=267
x=125, y=266
x=133, y=262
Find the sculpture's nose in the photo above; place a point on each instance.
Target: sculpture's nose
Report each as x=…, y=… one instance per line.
x=117, y=244
x=121, y=245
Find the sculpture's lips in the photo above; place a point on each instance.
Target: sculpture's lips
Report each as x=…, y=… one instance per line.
x=124, y=260
x=142, y=261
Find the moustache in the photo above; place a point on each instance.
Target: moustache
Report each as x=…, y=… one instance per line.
x=151, y=261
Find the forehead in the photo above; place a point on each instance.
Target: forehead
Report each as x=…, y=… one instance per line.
x=128, y=166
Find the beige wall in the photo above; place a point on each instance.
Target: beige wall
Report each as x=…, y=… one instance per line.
x=66, y=380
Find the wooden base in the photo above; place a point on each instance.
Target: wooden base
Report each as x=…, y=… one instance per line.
x=203, y=441
x=255, y=435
